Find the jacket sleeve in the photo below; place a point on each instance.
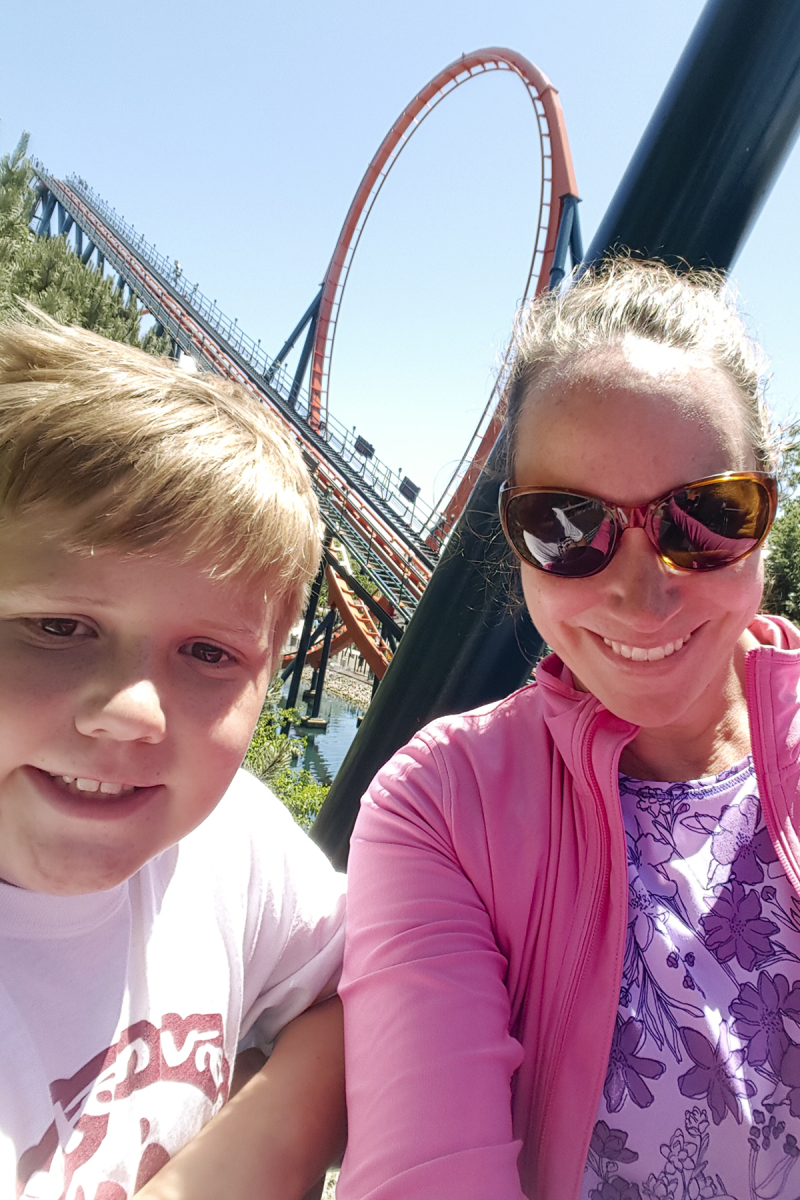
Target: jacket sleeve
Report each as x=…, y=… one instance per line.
x=429, y=1054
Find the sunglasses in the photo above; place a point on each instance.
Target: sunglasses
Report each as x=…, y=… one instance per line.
x=701, y=526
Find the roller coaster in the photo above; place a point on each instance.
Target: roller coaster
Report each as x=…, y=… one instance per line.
x=377, y=516
x=705, y=163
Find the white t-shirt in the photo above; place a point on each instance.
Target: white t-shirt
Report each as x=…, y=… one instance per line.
x=120, y=1011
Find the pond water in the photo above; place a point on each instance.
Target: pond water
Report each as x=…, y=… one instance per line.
x=325, y=752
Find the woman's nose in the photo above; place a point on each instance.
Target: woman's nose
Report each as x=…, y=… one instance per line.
x=642, y=582
x=129, y=713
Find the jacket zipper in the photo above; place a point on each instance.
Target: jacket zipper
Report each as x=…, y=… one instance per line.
x=765, y=795
x=588, y=936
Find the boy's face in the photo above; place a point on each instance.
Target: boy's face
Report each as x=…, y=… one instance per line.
x=136, y=677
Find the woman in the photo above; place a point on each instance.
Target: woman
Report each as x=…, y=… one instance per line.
x=574, y=960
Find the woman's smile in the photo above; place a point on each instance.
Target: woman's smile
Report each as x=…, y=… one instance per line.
x=647, y=653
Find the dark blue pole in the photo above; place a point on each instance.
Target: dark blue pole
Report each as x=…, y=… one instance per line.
x=716, y=141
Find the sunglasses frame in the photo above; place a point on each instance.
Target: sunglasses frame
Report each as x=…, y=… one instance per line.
x=639, y=516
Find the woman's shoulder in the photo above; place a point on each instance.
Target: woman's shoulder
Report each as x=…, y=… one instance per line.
x=511, y=717
x=491, y=750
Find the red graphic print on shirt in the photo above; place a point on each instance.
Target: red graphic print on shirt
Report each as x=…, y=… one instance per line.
x=108, y=1091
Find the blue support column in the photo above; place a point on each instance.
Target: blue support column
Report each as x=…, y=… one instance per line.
x=88, y=252
x=569, y=238
x=48, y=206
x=78, y=241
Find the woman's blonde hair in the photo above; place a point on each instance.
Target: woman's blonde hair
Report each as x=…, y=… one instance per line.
x=624, y=297
x=126, y=450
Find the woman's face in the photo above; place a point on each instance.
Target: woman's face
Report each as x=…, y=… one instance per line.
x=633, y=422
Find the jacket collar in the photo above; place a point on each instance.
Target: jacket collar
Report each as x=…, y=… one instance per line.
x=576, y=719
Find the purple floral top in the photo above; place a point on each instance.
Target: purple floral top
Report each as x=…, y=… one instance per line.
x=702, y=1094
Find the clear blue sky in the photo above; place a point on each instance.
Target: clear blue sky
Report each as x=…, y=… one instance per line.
x=234, y=136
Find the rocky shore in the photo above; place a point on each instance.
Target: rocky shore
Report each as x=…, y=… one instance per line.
x=345, y=685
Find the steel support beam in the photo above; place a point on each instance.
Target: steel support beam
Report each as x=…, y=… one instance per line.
x=569, y=238
x=311, y=314
x=321, y=672
x=48, y=206
x=302, y=364
x=707, y=160
x=305, y=636
x=328, y=619
x=64, y=221
x=88, y=252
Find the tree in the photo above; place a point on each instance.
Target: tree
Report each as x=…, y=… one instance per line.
x=50, y=275
x=270, y=756
x=782, y=591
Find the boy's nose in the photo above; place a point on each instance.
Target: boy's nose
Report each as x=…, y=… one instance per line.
x=132, y=713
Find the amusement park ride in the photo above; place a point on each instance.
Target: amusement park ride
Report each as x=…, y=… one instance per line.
x=384, y=528
x=693, y=189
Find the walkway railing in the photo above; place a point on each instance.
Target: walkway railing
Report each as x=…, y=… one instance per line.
x=394, y=489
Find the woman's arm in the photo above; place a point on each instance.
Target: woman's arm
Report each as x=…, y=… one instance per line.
x=279, y=1133
x=429, y=1054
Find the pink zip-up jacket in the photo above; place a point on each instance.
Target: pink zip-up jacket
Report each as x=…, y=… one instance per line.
x=487, y=913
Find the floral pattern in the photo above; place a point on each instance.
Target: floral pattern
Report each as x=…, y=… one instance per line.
x=735, y=927
x=709, y=1007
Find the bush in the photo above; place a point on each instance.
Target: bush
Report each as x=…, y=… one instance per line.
x=270, y=755
x=782, y=591
x=301, y=794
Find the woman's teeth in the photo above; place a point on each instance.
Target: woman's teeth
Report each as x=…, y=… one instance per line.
x=640, y=654
x=95, y=785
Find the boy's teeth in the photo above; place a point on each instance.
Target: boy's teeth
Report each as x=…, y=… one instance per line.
x=95, y=785
x=640, y=654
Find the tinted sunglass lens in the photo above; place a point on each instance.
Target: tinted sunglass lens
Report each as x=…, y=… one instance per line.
x=712, y=524
x=561, y=533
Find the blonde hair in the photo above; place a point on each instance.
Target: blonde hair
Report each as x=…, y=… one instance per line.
x=622, y=297
x=138, y=454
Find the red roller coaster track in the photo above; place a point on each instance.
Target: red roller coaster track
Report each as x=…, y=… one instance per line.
x=558, y=181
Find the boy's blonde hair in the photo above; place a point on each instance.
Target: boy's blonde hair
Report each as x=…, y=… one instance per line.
x=128, y=451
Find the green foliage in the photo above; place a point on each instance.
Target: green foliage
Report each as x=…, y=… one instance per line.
x=270, y=755
x=271, y=747
x=46, y=272
x=301, y=794
x=782, y=591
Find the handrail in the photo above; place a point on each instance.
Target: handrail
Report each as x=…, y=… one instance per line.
x=418, y=516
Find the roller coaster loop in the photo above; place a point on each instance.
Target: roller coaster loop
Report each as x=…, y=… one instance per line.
x=557, y=182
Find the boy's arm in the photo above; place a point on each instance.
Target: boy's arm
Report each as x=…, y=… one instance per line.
x=276, y=1137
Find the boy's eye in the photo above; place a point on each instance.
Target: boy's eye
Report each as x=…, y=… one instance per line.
x=207, y=653
x=63, y=627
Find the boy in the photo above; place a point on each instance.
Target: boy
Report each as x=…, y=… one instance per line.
x=157, y=533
